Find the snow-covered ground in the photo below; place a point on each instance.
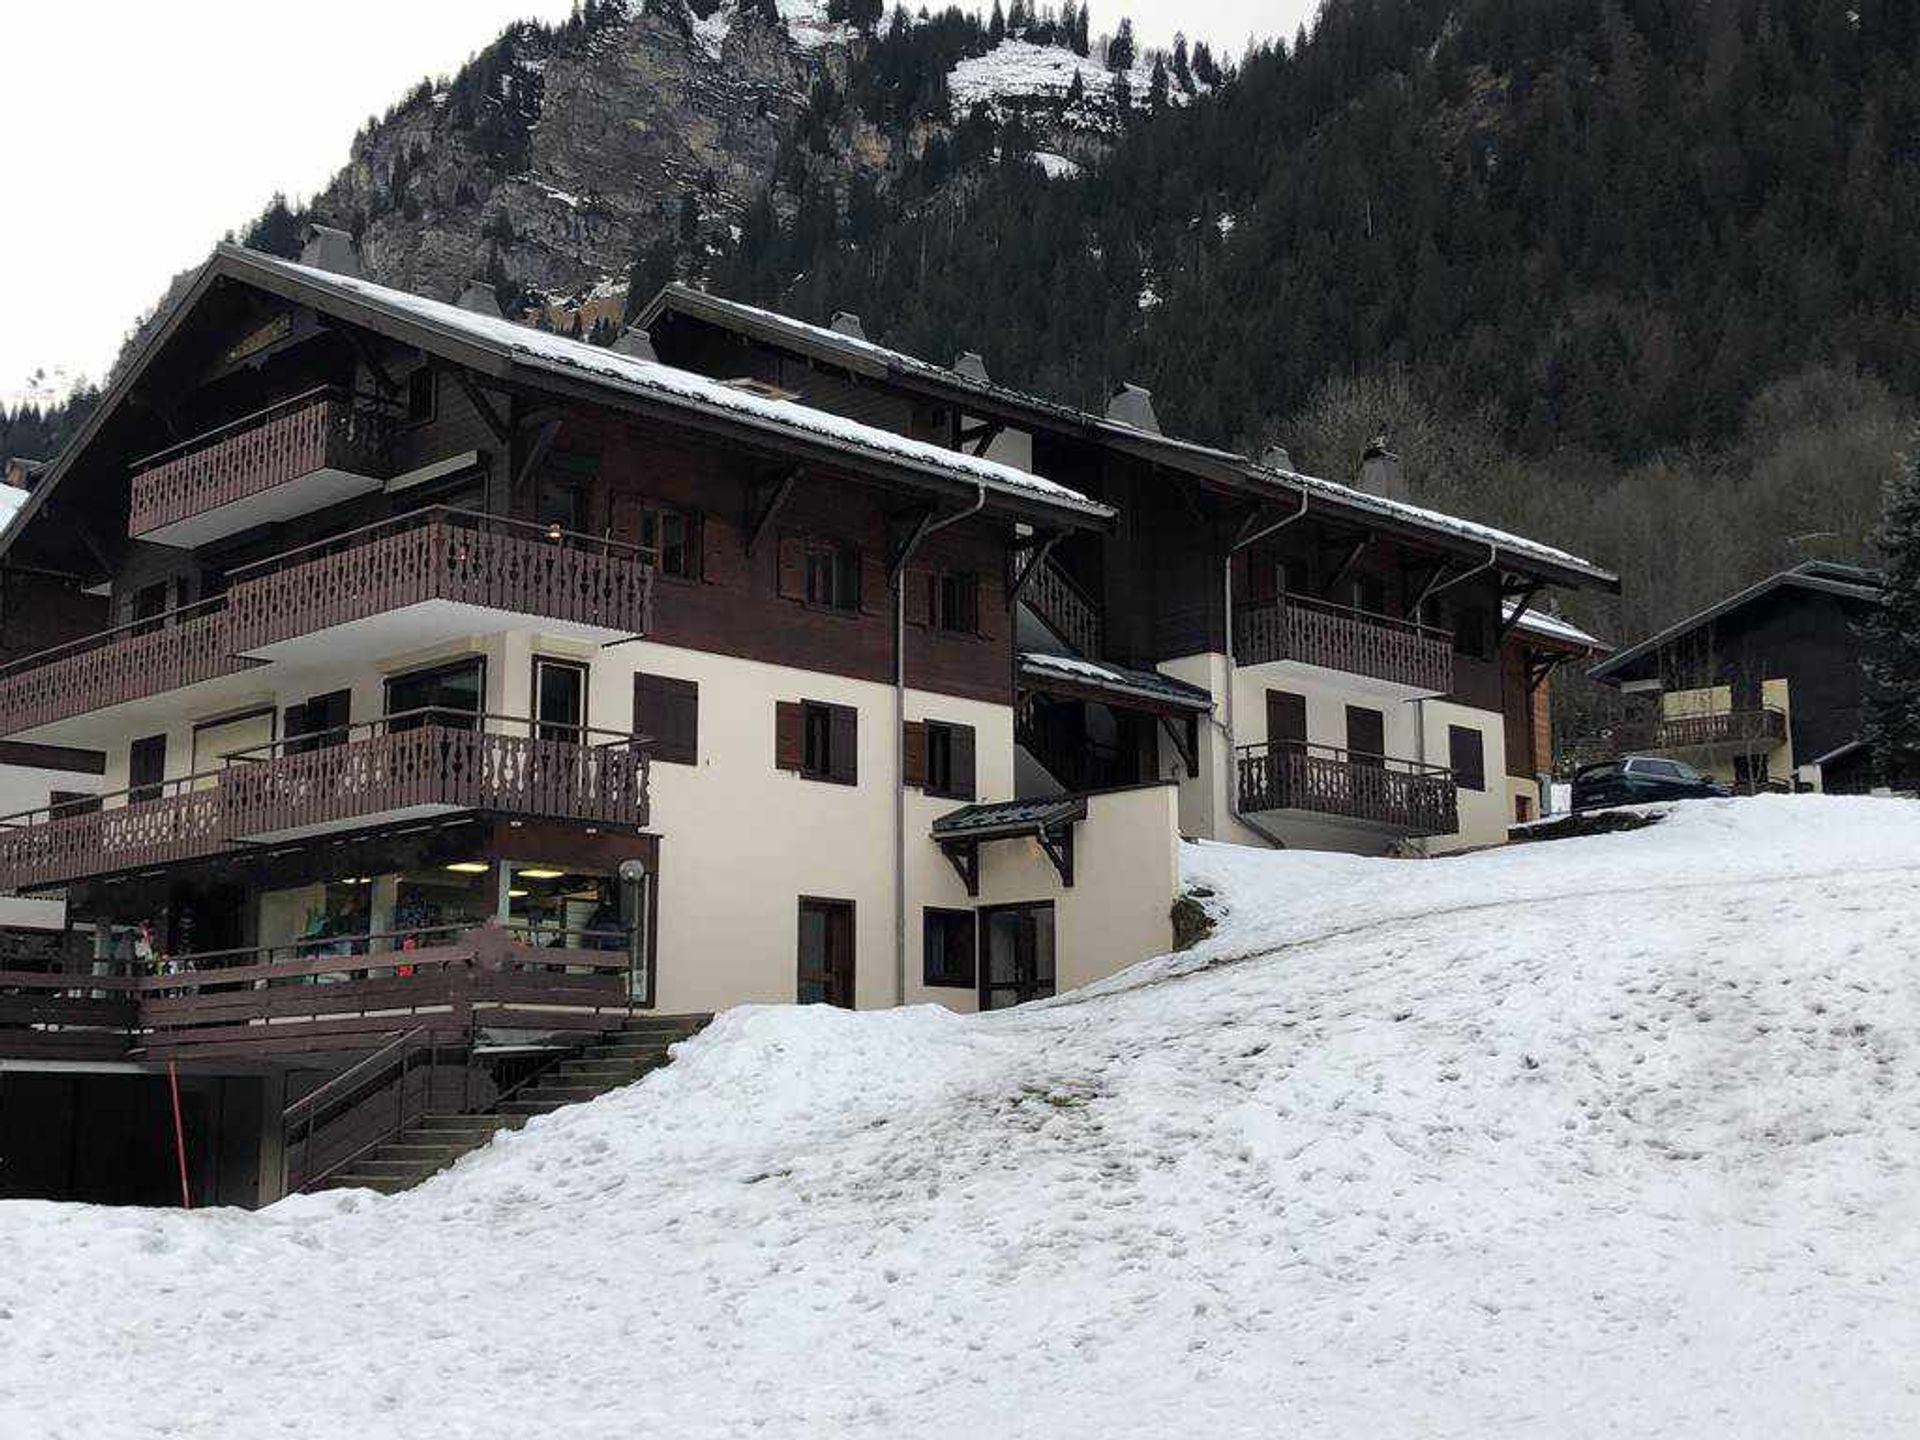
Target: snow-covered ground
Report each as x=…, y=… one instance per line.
x=1023, y=73
x=1610, y=1136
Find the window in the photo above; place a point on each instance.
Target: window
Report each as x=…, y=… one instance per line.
x=448, y=695
x=146, y=768
x=957, y=608
x=560, y=699
x=1286, y=718
x=939, y=758
x=318, y=722
x=149, y=604
x=215, y=742
x=1466, y=752
x=674, y=536
x=819, y=741
x=946, y=947
x=1665, y=769
x=667, y=710
x=1522, y=809
x=561, y=503
x=1366, y=736
x=826, y=953
x=821, y=573
x=1370, y=594
x=423, y=393
x=1016, y=954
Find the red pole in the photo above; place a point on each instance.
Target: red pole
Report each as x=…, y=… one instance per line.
x=179, y=1135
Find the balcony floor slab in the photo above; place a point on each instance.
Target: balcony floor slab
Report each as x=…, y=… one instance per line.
x=400, y=815
x=316, y=490
x=416, y=627
x=1279, y=673
x=110, y=726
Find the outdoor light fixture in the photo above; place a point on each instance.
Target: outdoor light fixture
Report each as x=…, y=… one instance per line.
x=469, y=867
x=530, y=872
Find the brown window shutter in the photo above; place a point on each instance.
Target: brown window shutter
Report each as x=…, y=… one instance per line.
x=961, y=739
x=919, y=585
x=793, y=568
x=846, y=745
x=667, y=710
x=916, y=754
x=789, y=735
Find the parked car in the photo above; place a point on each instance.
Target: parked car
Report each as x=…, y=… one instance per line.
x=1639, y=779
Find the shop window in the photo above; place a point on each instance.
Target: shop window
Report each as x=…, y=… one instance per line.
x=560, y=907
x=947, y=947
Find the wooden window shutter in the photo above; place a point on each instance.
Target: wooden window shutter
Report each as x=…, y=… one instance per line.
x=919, y=585
x=846, y=745
x=793, y=568
x=960, y=738
x=668, y=710
x=789, y=735
x=915, y=766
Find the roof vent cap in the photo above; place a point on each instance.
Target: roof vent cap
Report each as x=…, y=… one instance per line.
x=636, y=342
x=971, y=365
x=480, y=299
x=1380, y=472
x=322, y=247
x=1275, y=457
x=848, y=323
x=1133, y=405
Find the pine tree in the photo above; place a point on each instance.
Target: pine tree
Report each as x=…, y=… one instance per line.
x=1157, y=87
x=1891, y=657
x=1181, y=70
x=997, y=26
x=1077, y=39
x=1120, y=48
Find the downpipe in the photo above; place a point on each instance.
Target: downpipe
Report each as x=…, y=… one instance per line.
x=1233, y=749
x=1423, y=845
x=896, y=581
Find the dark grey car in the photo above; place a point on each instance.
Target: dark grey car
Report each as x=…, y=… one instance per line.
x=1639, y=779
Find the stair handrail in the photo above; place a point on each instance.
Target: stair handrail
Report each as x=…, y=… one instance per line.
x=351, y=1081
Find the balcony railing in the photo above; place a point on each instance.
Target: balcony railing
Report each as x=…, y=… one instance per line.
x=432, y=761
x=442, y=554
x=1338, y=637
x=130, y=662
x=1730, y=731
x=1400, y=795
x=437, y=760
x=325, y=429
x=1067, y=610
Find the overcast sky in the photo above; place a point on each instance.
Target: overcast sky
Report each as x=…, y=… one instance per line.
x=129, y=158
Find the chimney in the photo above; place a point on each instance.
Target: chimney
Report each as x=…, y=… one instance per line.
x=848, y=323
x=1133, y=405
x=636, y=342
x=1275, y=457
x=971, y=365
x=1380, y=471
x=325, y=248
x=479, y=298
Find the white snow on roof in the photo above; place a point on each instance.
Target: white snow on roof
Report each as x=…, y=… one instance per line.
x=1541, y=623
x=1074, y=666
x=1018, y=70
x=1604, y=1136
x=558, y=353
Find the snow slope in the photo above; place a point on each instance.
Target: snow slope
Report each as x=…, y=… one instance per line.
x=1611, y=1136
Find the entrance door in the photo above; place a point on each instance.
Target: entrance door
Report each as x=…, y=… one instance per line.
x=1016, y=954
x=560, y=699
x=147, y=768
x=826, y=952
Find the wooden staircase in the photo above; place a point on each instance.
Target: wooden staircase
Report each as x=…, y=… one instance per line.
x=433, y=1142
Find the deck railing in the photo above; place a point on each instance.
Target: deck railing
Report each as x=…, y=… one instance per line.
x=1067, y=610
x=129, y=662
x=1754, y=729
x=1401, y=795
x=438, y=759
x=442, y=554
x=323, y=429
x=1342, y=638
x=162, y=824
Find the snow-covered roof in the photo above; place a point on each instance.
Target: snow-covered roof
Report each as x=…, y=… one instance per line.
x=1148, y=684
x=866, y=356
x=559, y=354
x=1552, y=627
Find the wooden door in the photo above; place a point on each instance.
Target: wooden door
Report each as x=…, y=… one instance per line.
x=1016, y=954
x=1286, y=718
x=826, y=952
x=1366, y=735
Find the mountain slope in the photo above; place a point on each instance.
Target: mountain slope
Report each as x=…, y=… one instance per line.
x=1592, y=1137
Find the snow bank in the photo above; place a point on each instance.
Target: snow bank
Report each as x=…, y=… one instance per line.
x=1611, y=1136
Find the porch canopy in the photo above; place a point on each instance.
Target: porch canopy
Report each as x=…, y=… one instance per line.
x=1048, y=821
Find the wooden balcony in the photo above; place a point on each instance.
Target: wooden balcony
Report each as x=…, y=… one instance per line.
x=434, y=574
x=1058, y=602
x=346, y=998
x=1393, y=796
x=117, y=667
x=1711, y=733
x=1399, y=656
x=401, y=768
x=434, y=763
x=305, y=453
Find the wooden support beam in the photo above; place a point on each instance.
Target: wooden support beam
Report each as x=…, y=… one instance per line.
x=1524, y=598
x=1436, y=579
x=389, y=387
x=764, y=501
x=1345, y=564
x=542, y=443
x=964, y=856
x=1181, y=735
x=489, y=416
x=1057, y=842
x=980, y=436
x=1025, y=574
x=1540, y=666
x=903, y=539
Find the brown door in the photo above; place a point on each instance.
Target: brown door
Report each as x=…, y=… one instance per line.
x=1366, y=735
x=1016, y=954
x=826, y=952
x=1286, y=718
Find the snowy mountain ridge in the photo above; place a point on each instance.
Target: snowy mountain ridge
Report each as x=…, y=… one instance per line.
x=1587, y=1137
